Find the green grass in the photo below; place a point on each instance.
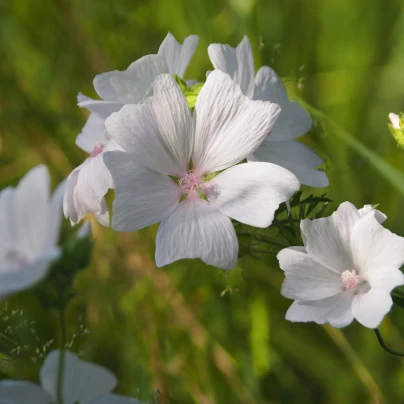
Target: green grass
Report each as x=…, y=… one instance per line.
x=171, y=330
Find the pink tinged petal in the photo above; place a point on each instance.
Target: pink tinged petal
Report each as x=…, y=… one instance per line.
x=22, y=392
x=229, y=126
x=115, y=399
x=251, y=193
x=142, y=196
x=327, y=240
x=238, y=63
x=306, y=279
x=295, y=157
x=32, y=212
x=375, y=247
x=336, y=310
x=93, y=133
x=293, y=121
x=369, y=209
x=82, y=381
x=196, y=229
x=178, y=56
x=23, y=278
x=130, y=86
x=158, y=132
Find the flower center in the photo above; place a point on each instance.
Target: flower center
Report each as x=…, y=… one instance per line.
x=97, y=150
x=190, y=182
x=350, y=279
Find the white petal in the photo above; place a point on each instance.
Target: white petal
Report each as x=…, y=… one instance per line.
x=375, y=247
x=229, y=126
x=93, y=133
x=178, y=56
x=293, y=121
x=197, y=230
x=327, y=239
x=22, y=392
x=103, y=108
x=142, y=196
x=82, y=381
x=336, y=310
x=130, y=86
x=251, y=193
x=370, y=308
x=32, y=212
x=55, y=215
x=306, y=279
x=8, y=235
x=295, y=157
x=238, y=63
x=159, y=132
x=15, y=280
x=394, y=120
x=115, y=399
x=385, y=278
x=369, y=209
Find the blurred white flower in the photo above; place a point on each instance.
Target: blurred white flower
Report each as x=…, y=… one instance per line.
x=346, y=269
x=279, y=147
x=29, y=225
x=89, y=182
x=82, y=383
x=163, y=139
x=394, y=120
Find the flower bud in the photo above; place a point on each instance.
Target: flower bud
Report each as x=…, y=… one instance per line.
x=396, y=126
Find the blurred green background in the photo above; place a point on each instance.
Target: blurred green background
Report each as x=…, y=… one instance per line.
x=170, y=334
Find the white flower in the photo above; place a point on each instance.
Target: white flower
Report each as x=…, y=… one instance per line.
x=394, y=120
x=346, y=269
x=29, y=226
x=161, y=138
x=293, y=121
x=83, y=383
x=89, y=182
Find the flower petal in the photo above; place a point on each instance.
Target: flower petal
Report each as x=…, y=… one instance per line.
x=131, y=85
x=55, y=215
x=8, y=235
x=229, y=126
x=142, y=196
x=197, y=230
x=375, y=247
x=336, y=310
x=369, y=209
x=103, y=108
x=93, y=133
x=238, y=63
x=158, y=132
x=327, y=239
x=295, y=157
x=178, y=56
x=293, y=121
x=22, y=392
x=251, y=193
x=306, y=279
x=82, y=381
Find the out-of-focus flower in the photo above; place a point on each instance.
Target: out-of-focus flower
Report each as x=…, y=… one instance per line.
x=89, y=182
x=162, y=139
x=279, y=147
x=82, y=383
x=347, y=268
x=397, y=129
x=29, y=225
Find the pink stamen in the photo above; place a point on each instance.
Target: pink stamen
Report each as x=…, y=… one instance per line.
x=190, y=182
x=350, y=279
x=97, y=150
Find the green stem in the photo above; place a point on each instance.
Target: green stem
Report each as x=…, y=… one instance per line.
x=384, y=346
x=59, y=386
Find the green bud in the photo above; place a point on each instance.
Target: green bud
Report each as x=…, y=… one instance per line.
x=396, y=126
x=190, y=92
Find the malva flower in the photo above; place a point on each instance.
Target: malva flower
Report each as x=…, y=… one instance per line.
x=346, y=270
x=89, y=182
x=82, y=383
x=29, y=224
x=280, y=146
x=168, y=173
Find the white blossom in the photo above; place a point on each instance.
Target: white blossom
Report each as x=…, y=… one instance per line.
x=162, y=138
x=279, y=147
x=89, y=182
x=82, y=383
x=347, y=268
x=29, y=226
